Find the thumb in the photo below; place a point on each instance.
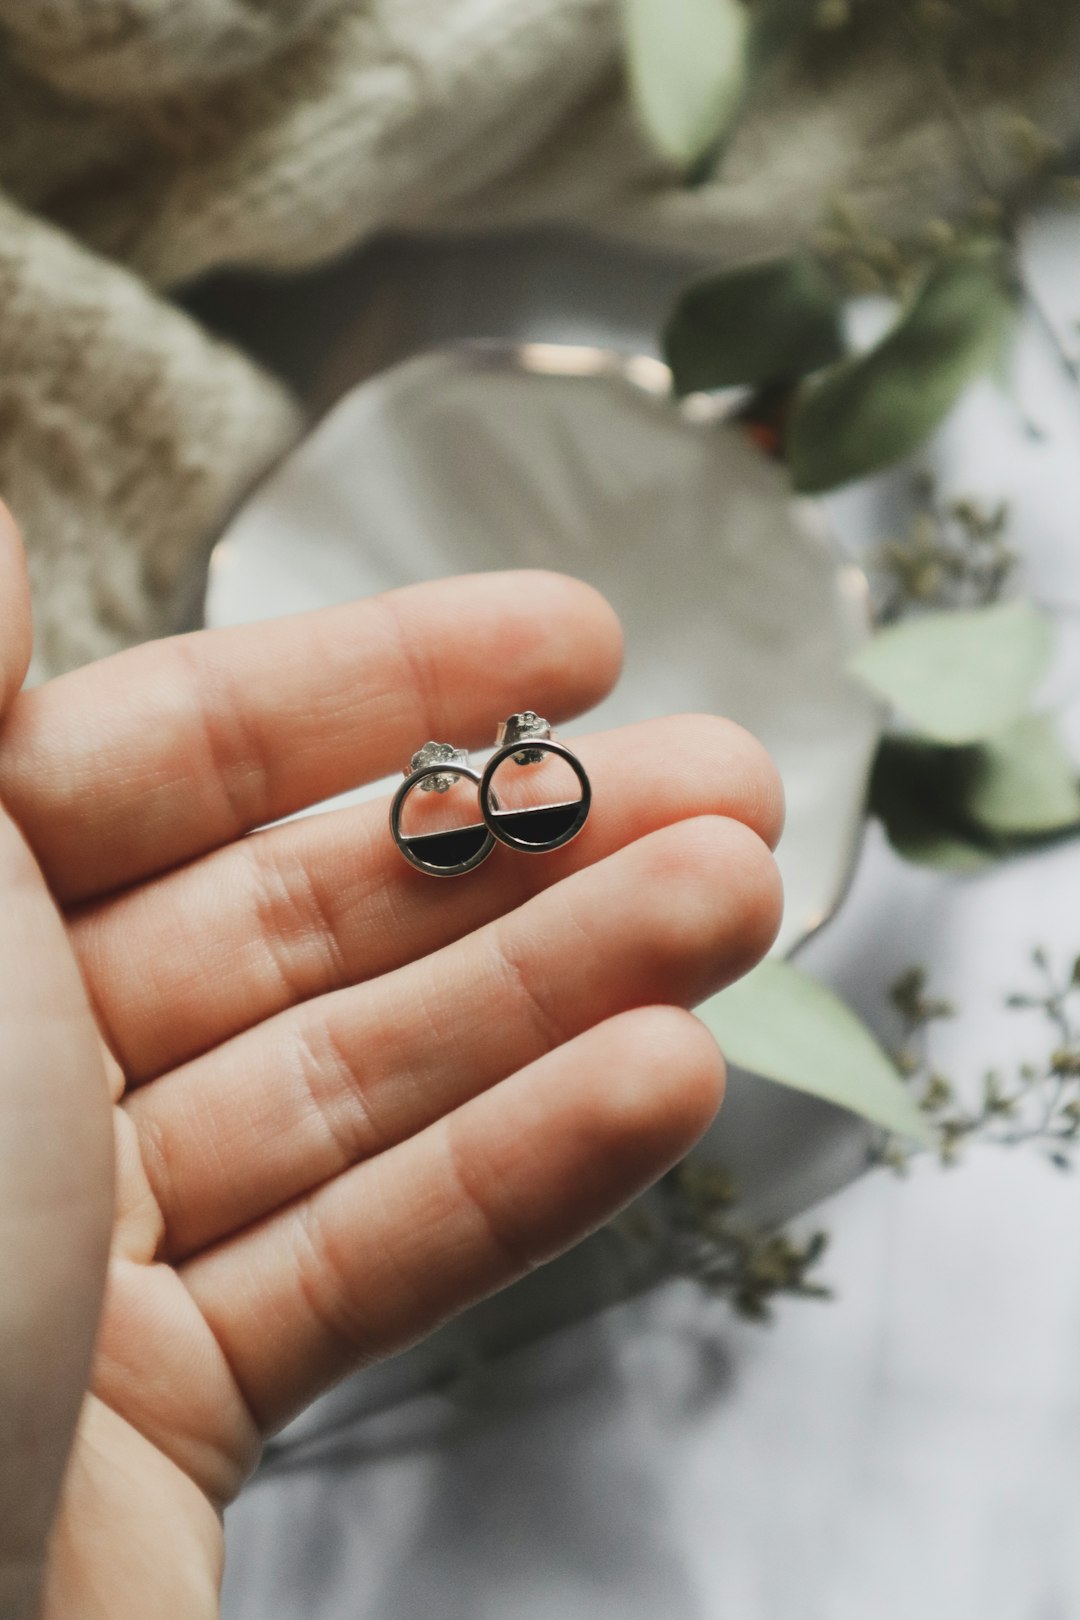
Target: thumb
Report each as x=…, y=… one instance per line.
x=56, y=1153
x=56, y=1156
x=14, y=610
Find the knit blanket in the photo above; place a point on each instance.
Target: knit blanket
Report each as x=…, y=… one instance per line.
x=147, y=143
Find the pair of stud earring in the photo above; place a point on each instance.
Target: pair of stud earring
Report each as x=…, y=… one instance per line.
x=525, y=739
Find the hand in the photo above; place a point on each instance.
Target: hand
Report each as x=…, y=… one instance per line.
x=343, y=1100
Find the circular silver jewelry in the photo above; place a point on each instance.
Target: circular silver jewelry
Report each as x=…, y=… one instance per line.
x=448, y=853
x=536, y=828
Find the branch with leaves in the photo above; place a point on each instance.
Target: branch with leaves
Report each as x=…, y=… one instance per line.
x=783, y=1025
x=693, y=67
x=776, y=329
x=974, y=769
x=977, y=771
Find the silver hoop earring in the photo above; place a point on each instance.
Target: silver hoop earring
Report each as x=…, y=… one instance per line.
x=526, y=739
x=435, y=768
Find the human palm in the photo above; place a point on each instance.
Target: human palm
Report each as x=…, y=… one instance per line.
x=272, y=1104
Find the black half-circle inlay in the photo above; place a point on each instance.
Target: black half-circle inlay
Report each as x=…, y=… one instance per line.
x=454, y=847
x=540, y=824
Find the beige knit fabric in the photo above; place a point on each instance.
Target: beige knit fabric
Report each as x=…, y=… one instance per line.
x=164, y=138
x=125, y=434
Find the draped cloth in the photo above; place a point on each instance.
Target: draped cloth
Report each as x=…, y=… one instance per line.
x=147, y=143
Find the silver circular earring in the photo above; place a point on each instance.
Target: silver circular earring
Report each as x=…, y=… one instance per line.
x=434, y=769
x=526, y=739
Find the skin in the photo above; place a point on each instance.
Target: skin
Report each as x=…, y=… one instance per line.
x=272, y=1104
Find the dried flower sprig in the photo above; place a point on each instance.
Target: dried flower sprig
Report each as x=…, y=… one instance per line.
x=694, y=1230
x=955, y=554
x=1036, y=1105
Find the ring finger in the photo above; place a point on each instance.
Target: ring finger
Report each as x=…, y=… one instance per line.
x=292, y=1103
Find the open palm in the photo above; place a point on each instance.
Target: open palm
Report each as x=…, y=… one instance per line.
x=343, y=1101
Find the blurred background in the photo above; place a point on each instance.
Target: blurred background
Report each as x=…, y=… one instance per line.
x=762, y=315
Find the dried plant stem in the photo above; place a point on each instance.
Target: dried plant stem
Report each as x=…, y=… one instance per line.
x=968, y=140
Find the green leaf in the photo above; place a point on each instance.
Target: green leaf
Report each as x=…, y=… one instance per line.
x=880, y=406
x=780, y=1024
x=915, y=795
x=756, y=324
x=687, y=66
x=962, y=676
x=961, y=809
x=1023, y=782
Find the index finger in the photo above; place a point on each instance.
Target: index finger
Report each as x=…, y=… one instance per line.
x=149, y=758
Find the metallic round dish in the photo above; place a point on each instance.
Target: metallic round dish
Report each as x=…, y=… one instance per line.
x=735, y=601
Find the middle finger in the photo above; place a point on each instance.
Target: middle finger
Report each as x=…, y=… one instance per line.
x=196, y=956
x=292, y=1103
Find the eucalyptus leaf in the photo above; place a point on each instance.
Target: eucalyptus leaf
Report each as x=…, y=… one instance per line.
x=1023, y=782
x=756, y=324
x=879, y=407
x=784, y=1026
x=687, y=66
x=961, y=676
x=916, y=795
x=961, y=809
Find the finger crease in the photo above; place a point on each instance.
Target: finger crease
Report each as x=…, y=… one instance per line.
x=239, y=763
x=543, y=1019
x=231, y=1365
x=512, y=1254
x=107, y=1031
x=287, y=913
x=351, y=1130
x=155, y=1161
x=328, y=1290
